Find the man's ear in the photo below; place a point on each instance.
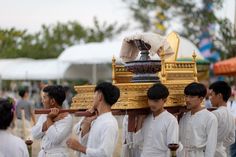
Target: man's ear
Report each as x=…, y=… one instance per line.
x=52, y=102
x=164, y=100
x=100, y=96
x=220, y=95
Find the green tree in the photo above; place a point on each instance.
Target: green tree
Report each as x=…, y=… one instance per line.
x=51, y=40
x=195, y=16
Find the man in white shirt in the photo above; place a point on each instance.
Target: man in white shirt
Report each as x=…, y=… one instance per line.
x=198, y=127
x=55, y=127
x=103, y=129
x=159, y=128
x=220, y=92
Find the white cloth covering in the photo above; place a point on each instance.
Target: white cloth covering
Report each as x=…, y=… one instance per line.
x=102, y=137
x=54, y=139
x=226, y=130
x=198, y=134
x=129, y=51
x=12, y=146
x=156, y=133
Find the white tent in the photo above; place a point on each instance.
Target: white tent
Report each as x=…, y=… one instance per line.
x=92, y=53
x=91, y=60
x=30, y=69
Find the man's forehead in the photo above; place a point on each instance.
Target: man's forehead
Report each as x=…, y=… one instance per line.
x=45, y=94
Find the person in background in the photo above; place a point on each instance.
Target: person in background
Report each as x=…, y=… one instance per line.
x=231, y=106
x=220, y=92
x=53, y=128
x=207, y=102
x=24, y=106
x=10, y=145
x=197, y=127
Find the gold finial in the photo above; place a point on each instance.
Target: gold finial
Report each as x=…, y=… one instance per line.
x=194, y=55
x=113, y=69
x=162, y=54
x=113, y=59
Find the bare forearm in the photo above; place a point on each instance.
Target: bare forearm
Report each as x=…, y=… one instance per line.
x=47, y=124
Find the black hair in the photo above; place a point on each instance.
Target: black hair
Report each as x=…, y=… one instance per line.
x=195, y=89
x=6, y=112
x=22, y=91
x=56, y=92
x=221, y=87
x=157, y=91
x=110, y=92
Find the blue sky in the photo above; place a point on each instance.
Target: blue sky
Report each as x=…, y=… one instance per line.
x=31, y=14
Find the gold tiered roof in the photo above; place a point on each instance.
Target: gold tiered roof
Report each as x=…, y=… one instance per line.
x=174, y=74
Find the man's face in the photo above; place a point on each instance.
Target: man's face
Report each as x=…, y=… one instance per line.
x=193, y=101
x=214, y=98
x=46, y=100
x=156, y=105
x=96, y=98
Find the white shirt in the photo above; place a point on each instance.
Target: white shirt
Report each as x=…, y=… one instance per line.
x=226, y=130
x=54, y=139
x=12, y=146
x=231, y=105
x=102, y=137
x=156, y=133
x=198, y=134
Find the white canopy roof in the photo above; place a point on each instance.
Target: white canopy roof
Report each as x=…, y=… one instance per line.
x=91, y=53
x=186, y=48
x=23, y=69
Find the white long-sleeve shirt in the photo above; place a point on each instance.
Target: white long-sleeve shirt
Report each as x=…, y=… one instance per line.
x=198, y=134
x=226, y=130
x=12, y=146
x=156, y=133
x=102, y=137
x=54, y=139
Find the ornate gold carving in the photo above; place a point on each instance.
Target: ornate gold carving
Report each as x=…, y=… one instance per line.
x=174, y=74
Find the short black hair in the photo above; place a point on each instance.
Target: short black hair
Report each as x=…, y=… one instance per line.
x=6, y=112
x=22, y=91
x=157, y=91
x=195, y=89
x=110, y=92
x=56, y=92
x=223, y=88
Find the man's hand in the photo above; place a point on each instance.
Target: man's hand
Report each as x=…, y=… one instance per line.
x=86, y=124
x=139, y=121
x=50, y=119
x=53, y=113
x=60, y=116
x=75, y=145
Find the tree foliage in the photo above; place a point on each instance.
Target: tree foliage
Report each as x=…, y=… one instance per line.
x=194, y=15
x=51, y=40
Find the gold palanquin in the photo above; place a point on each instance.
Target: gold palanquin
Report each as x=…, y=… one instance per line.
x=174, y=74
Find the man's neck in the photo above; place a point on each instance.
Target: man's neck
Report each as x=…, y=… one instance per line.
x=103, y=109
x=222, y=103
x=195, y=110
x=158, y=112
